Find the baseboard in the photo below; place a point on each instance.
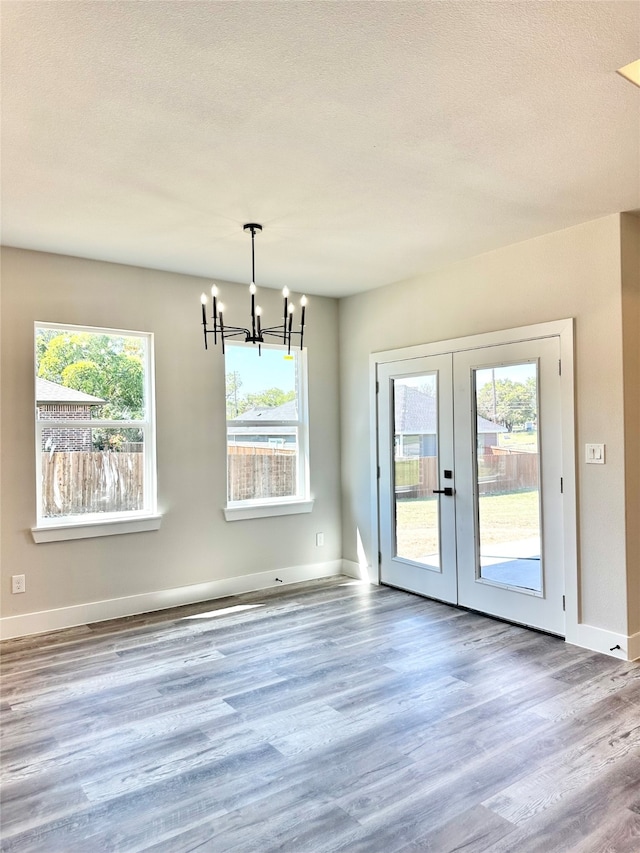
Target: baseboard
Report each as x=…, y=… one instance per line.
x=114, y=608
x=352, y=569
x=609, y=643
x=587, y=636
x=359, y=571
x=633, y=647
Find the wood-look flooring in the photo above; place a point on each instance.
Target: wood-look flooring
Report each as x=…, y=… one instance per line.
x=331, y=716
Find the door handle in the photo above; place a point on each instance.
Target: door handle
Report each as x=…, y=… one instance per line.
x=448, y=491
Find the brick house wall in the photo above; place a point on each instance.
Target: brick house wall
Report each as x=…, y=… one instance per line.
x=56, y=402
x=65, y=439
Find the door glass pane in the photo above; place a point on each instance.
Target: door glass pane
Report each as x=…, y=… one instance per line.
x=415, y=470
x=508, y=475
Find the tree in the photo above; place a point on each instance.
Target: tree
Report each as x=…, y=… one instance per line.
x=106, y=366
x=509, y=403
x=233, y=385
x=270, y=398
x=83, y=376
x=43, y=339
x=238, y=403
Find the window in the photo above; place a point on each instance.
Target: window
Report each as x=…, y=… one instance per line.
x=267, y=457
x=95, y=430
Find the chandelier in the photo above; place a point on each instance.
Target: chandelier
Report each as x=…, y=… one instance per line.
x=256, y=334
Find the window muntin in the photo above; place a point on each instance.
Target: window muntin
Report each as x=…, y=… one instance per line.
x=95, y=425
x=267, y=458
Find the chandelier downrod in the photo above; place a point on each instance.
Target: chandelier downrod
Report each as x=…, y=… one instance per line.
x=253, y=227
x=256, y=334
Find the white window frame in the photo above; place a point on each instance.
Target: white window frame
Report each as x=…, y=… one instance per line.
x=89, y=525
x=302, y=501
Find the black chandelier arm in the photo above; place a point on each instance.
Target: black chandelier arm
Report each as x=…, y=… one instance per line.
x=285, y=337
x=227, y=330
x=251, y=338
x=275, y=330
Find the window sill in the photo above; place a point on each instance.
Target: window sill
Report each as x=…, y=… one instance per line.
x=266, y=510
x=92, y=529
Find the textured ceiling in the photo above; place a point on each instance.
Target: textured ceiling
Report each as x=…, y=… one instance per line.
x=373, y=140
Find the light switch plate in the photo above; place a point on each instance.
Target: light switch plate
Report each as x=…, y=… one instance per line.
x=594, y=454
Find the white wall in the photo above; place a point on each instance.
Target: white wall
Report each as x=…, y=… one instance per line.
x=195, y=545
x=573, y=273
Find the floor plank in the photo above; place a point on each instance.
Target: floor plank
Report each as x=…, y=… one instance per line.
x=328, y=716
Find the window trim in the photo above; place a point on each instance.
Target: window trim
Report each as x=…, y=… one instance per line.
x=302, y=501
x=236, y=512
x=49, y=529
x=90, y=529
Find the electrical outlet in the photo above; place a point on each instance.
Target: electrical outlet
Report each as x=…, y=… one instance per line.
x=18, y=583
x=319, y=539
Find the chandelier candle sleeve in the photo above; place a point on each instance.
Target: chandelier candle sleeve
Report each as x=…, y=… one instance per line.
x=303, y=303
x=214, y=297
x=285, y=293
x=292, y=308
x=203, y=300
x=221, y=321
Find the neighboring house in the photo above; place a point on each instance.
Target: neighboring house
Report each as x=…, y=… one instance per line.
x=416, y=424
x=57, y=402
x=277, y=436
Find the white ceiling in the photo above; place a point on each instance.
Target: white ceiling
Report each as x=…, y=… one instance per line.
x=373, y=140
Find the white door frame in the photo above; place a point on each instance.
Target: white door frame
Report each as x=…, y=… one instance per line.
x=563, y=329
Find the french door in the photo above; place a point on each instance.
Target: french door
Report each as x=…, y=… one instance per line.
x=470, y=488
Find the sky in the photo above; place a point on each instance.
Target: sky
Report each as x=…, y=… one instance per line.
x=515, y=372
x=272, y=369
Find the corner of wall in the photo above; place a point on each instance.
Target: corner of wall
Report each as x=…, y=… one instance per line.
x=630, y=283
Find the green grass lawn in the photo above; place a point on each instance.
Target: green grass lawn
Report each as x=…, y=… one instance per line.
x=518, y=440
x=503, y=518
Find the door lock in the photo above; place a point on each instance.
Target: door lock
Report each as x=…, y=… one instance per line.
x=448, y=491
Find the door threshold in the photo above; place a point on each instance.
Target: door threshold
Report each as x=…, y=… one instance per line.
x=477, y=612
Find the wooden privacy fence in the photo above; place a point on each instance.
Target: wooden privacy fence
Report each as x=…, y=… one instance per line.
x=260, y=472
x=417, y=478
x=77, y=482
x=508, y=473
